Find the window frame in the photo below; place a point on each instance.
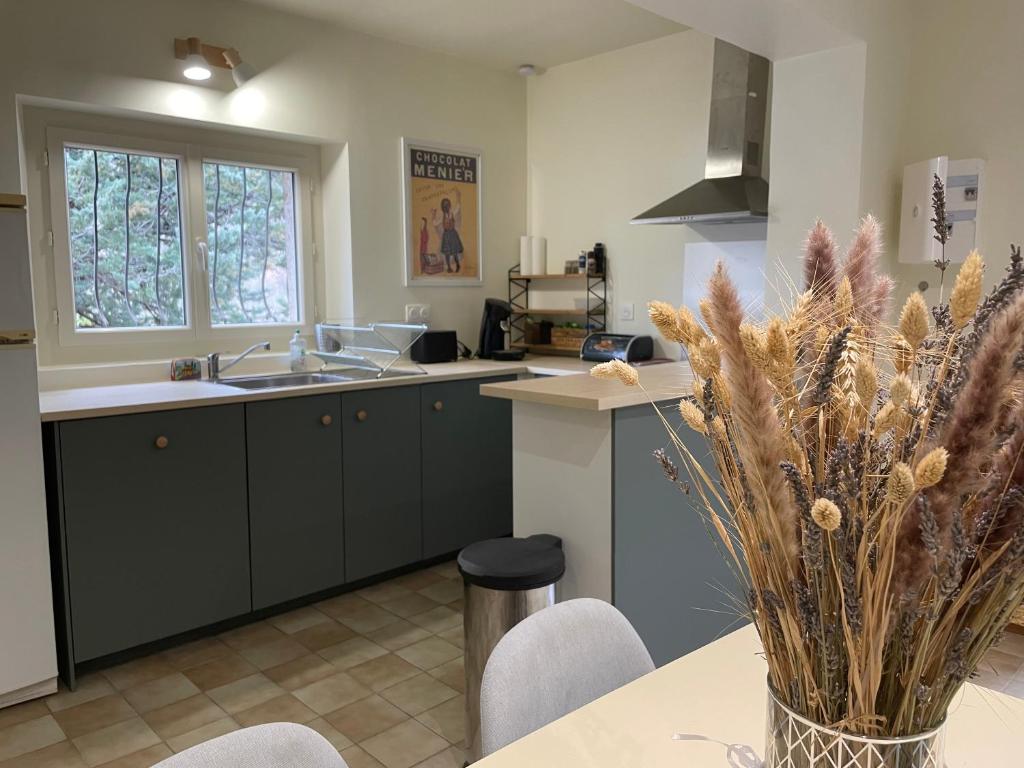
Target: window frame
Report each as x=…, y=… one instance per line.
x=194, y=237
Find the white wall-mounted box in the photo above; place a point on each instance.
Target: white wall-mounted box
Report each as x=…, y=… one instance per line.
x=964, y=180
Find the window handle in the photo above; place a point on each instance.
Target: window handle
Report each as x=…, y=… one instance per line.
x=201, y=255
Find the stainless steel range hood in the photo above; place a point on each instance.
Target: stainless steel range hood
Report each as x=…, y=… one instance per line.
x=732, y=190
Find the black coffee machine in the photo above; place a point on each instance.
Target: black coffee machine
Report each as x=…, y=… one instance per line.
x=492, y=335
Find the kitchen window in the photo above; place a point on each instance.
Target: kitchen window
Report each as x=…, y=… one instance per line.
x=161, y=241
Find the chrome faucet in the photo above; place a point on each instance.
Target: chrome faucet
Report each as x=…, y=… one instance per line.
x=213, y=360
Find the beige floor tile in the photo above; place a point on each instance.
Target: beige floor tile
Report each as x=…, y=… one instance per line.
x=1004, y=664
x=142, y=759
x=202, y=733
x=456, y=636
x=257, y=633
x=19, y=713
x=453, y=757
x=273, y=653
x=338, y=740
x=1012, y=642
x=1015, y=686
x=183, y=716
x=458, y=605
x=138, y=671
x=301, y=671
x=60, y=755
x=323, y=635
x=283, y=709
x=89, y=687
x=299, y=619
x=146, y=697
x=438, y=619
x=29, y=736
x=245, y=693
x=365, y=718
x=409, y=605
x=342, y=605
x=447, y=720
x=452, y=674
x=448, y=569
x=404, y=745
x=93, y=715
x=398, y=635
x=383, y=672
x=352, y=652
x=218, y=672
x=197, y=652
x=446, y=591
x=331, y=693
x=368, y=618
x=356, y=757
x=429, y=653
x=418, y=694
x=418, y=579
x=116, y=741
x=382, y=593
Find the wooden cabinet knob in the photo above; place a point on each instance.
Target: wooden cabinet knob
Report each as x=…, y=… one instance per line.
x=326, y=419
x=438, y=405
x=161, y=442
x=361, y=415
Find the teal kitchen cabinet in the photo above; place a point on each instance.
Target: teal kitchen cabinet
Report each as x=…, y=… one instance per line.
x=467, y=465
x=381, y=466
x=295, y=497
x=156, y=525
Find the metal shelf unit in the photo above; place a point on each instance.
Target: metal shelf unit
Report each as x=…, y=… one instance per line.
x=594, y=316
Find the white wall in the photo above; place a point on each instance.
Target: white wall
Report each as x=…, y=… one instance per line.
x=356, y=94
x=965, y=100
x=609, y=137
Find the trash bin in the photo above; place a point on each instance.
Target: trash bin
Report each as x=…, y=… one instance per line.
x=505, y=581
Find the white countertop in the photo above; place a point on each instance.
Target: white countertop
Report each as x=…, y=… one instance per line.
x=87, y=402
x=719, y=693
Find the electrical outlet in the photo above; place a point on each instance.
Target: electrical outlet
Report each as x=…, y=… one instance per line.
x=417, y=313
x=626, y=312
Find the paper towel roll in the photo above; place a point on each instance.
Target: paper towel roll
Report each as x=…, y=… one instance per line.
x=525, y=255
x=538, y=256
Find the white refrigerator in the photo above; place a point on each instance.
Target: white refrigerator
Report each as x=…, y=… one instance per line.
x=28, y=658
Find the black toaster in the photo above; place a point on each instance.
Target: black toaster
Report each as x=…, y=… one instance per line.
x=602, y=347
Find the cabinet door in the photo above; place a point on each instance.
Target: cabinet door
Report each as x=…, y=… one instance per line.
x=156, y=525
x=467, y=465
x=381, y=450
x=295, y=521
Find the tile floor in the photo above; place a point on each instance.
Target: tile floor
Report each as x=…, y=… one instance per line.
x=378, y=672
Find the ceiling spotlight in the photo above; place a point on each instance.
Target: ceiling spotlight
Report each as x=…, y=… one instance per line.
x=527, y=70
x=241, y=71
x=196, y=66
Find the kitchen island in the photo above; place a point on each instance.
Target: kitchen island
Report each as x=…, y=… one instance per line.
x=583, y=470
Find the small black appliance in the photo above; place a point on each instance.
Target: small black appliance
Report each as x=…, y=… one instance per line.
x=602, y=347
x=435, y=347
x=492, y=334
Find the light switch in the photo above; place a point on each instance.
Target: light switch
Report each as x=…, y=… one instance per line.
x=626, y=312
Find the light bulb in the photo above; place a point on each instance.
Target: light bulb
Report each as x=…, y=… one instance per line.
x=196, y=67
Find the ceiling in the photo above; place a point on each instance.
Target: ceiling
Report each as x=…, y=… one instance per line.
x=496, y=33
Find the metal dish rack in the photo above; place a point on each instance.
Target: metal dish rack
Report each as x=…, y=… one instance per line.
x=373, y=347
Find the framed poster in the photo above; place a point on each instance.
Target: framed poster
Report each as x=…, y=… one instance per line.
x=442, y=214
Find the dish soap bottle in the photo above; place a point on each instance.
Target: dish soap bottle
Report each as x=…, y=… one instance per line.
x=297, y=352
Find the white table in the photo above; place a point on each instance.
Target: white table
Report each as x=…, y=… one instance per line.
x=719, y=692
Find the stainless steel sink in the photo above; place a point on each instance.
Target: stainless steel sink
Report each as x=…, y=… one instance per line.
x=278, y=380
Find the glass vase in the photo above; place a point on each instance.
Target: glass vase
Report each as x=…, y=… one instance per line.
x=793, y=741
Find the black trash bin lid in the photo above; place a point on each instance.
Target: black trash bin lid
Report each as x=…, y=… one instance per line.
x=513, y=564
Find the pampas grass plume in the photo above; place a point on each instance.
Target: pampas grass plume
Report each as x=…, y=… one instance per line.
x=666, y=320
x=963, y=301
x=900, y=484
x=900, y=389
x=931, y=468
x=616, y=369
x=914, y=320
x=865, y=381
x=692, y=415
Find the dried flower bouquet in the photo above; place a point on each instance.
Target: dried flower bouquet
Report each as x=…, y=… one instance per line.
x=871, y=491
